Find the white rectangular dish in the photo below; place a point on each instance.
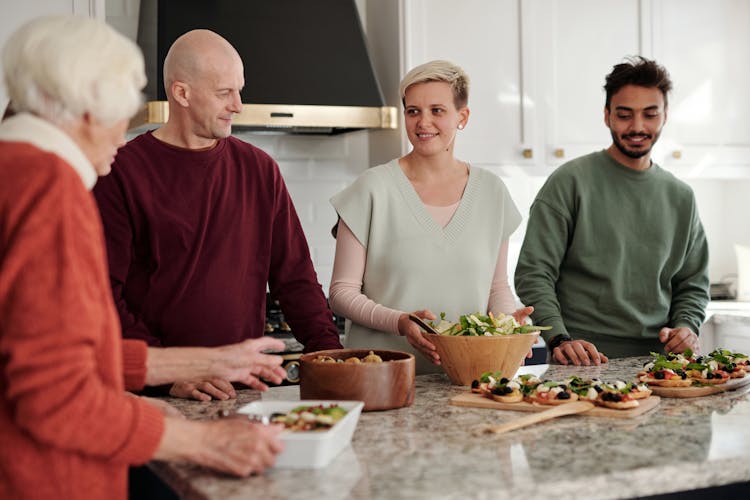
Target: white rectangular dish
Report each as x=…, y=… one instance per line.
x=314, y=449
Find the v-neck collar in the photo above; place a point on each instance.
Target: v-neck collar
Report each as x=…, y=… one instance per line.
x=418, y=209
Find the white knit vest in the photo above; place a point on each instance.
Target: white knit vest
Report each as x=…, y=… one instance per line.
x=412, y=262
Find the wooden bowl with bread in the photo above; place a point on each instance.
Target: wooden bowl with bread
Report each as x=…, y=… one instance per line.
x=382, y=379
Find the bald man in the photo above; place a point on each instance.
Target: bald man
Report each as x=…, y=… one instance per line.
x=198, y=223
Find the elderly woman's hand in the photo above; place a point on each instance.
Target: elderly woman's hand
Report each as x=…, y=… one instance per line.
x=231, y=445
x=246, y=362
x=205, y=372
x=413, y=334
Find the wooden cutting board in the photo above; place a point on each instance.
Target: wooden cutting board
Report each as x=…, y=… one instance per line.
x=477, y=401
x=704, y=390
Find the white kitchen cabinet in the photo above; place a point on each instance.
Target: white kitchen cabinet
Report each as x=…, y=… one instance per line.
x=576, y=45
x=705, y=46
x=481, y=36
x=538, y=68
x=122, y=15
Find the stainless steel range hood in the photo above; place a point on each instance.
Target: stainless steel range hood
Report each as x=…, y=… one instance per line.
x=307, y=69
x=287, y=118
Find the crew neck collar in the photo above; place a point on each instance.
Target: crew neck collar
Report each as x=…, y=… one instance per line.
x=25, y=127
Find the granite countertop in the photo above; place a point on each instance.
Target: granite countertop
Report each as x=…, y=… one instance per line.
x=429, y=451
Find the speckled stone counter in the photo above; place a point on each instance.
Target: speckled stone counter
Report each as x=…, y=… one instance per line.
x=429, y=451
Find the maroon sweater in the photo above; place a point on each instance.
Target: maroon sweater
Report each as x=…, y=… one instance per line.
x=194, y=236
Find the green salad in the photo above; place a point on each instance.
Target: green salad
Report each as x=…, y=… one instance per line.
x=310, y=418
x=478, y=325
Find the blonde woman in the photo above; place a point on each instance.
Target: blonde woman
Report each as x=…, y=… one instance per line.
x=425, y=233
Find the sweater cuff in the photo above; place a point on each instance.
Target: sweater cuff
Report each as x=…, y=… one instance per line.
x=687, y=324
x=393, y=317
x=558, y=328
x=323, y=343
x=134, y=354
x=145, y=436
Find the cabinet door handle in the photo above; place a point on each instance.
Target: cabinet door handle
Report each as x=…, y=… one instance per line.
x=528, y=153
x=559, y=153
x=676, y=154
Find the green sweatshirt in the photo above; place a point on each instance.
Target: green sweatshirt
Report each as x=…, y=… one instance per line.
x=612, y=255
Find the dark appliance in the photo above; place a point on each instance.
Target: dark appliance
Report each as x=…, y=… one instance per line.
x=307, y=68
x=277, y=327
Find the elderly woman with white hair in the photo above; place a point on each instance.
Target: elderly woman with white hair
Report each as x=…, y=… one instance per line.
x=423, y=233
x=68, y=429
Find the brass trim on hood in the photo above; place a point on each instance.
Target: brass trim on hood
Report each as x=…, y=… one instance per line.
x=292, y=118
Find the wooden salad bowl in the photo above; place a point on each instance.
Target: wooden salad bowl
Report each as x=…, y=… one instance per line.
x=465, y=358
x=381, y=386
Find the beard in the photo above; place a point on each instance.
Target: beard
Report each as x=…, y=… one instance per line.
x=634, y=153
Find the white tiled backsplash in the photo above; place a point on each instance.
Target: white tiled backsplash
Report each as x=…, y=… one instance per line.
x=317, y=167
x=314, y=169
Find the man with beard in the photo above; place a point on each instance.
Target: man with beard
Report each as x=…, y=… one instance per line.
x=615, y=258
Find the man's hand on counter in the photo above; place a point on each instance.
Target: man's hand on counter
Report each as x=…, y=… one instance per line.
x=578, y=352
x=679, y=339
x=203, y=390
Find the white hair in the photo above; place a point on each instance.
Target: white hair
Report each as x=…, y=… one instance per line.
x=61, y=67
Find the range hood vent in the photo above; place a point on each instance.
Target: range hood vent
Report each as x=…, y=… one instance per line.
x=307, y=69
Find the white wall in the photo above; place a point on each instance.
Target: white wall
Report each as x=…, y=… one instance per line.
x=13, y=14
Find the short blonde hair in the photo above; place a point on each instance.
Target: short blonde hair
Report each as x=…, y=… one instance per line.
x=439, y=71
x=60, y=67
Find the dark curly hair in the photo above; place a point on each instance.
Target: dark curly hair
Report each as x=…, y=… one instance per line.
x=639, y=71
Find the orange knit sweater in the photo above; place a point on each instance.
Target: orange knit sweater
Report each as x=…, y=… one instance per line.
x=67, y=428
